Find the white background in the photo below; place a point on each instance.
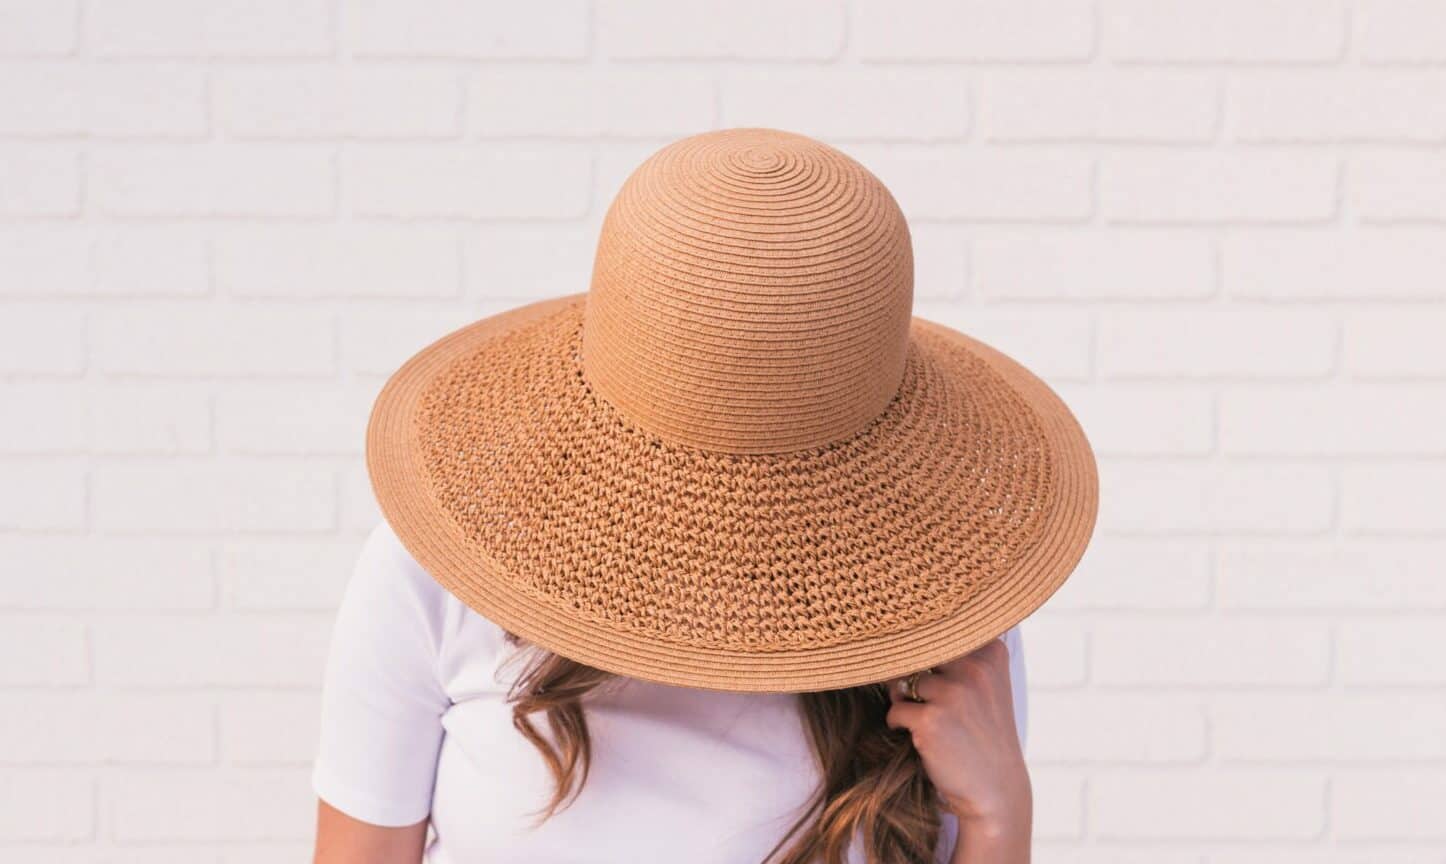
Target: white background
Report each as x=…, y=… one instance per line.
x=1218, y=227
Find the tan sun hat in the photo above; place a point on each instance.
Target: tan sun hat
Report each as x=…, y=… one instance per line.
x=737, y=461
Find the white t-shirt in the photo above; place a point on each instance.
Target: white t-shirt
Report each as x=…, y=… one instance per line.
x=415, y=723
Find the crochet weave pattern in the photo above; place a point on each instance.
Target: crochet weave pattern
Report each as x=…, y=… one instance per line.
x=737, y=461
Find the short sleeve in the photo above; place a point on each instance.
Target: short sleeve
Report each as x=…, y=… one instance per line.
x=382, y=699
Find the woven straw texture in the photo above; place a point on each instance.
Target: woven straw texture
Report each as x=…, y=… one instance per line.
x=737, y=462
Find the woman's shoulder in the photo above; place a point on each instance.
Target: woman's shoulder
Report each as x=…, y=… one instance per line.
x=386, y=572
x=392, y=586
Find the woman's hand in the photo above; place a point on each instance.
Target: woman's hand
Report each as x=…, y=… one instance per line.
x=965, y=734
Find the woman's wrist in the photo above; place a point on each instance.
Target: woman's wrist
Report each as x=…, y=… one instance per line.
x=994, y=838
x=995, y=832
x=1009, y=802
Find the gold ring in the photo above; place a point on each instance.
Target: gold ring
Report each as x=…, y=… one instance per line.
x=911, y=687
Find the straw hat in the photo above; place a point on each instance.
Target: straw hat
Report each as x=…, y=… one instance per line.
x=737, y=462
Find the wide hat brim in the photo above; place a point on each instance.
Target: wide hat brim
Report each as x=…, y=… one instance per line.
x=943, y=523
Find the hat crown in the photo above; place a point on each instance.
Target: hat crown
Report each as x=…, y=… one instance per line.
x=751, y=293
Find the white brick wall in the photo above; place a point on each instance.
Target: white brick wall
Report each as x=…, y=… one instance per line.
x=1218, y=227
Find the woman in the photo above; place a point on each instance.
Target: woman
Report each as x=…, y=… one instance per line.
x=719, y=562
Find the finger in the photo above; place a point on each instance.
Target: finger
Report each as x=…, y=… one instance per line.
x=904, y=715
x=990, y=653
x=936, y=688
x=899, y=687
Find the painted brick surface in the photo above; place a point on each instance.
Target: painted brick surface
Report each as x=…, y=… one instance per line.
x=1216, y=227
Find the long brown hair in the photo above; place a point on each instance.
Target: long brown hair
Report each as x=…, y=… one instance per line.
x=872, y=784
